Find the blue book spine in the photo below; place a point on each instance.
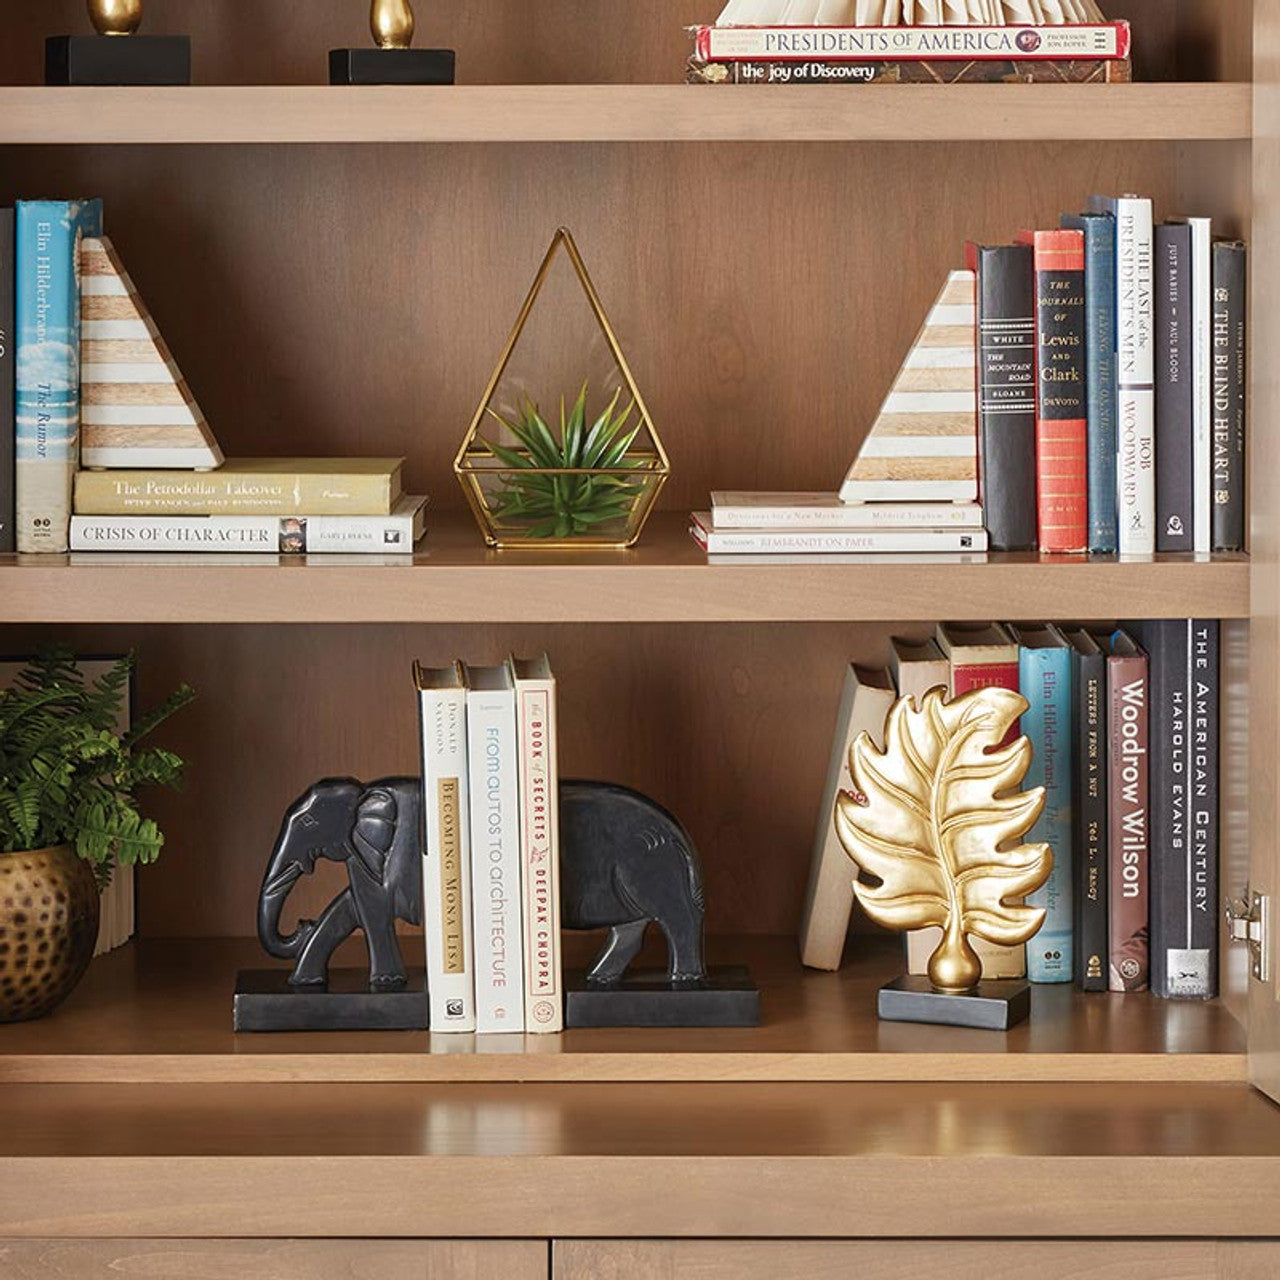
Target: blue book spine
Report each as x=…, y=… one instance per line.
x=47, y=394
x=1100, y=366
x=1044, y=675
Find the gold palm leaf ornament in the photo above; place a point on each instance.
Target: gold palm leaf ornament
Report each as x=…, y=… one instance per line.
x=936, y=826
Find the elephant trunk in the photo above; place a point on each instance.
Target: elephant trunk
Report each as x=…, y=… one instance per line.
x=283, y=872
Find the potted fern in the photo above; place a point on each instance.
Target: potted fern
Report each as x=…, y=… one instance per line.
x=68, y=818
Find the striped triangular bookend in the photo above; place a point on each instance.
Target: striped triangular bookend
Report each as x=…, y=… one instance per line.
x=924, y=445
x=136, y=408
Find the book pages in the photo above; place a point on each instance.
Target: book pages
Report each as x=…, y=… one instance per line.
x=908, y=13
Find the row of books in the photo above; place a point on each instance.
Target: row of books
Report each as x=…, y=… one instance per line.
x=491, y=871
x=1132, y=900
x=1112, y=390
x=82, y=363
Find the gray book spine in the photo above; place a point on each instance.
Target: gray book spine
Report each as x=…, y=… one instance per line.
x=1229, y=395
x=1175, y=391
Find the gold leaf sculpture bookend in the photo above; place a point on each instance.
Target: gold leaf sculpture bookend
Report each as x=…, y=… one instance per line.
x=936, y=825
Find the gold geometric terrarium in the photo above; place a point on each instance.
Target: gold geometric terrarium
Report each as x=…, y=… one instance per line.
x=562, y=451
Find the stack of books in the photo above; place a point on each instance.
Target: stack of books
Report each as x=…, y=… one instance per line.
x=491, y=876
x=281, y=506
x=79, y=352
x=1124, y=726
x=910, y=41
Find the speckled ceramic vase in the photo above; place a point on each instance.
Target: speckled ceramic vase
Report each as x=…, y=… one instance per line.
x=48, y=928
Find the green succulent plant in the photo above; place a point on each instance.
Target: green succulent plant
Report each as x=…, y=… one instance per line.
x=68, y=777
x=564, y=506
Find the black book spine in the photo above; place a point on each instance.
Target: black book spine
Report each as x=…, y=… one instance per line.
x=1183, y=807
x=1007, y=394
x=8, y=428
x=1229, y=395
x=1090, y=831
x=1175, y=391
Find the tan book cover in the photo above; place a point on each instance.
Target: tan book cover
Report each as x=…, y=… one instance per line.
x=248, y=487
x=824, y=926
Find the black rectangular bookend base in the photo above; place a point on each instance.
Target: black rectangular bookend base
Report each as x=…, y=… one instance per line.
x=117, y=60
x=994, y=1006
x=647, y=999
x=392, y=66
x=266, y=1002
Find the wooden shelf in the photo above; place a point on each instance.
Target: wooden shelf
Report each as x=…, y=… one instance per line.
x=455, y=579
x=822, y=1161
x=627, y=113
x=160, y=1012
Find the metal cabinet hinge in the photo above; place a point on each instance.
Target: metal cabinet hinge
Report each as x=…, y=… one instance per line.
x=1249, y=921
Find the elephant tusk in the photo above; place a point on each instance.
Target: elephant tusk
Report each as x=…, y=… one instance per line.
x=284, y=881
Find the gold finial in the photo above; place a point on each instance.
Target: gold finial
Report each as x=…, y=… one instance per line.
x=392, y=23
x=116, y=17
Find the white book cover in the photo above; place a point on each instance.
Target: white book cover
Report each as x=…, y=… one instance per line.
x=446, y=854
x=832, y=541
x=394, y=534
x=1202, y=379
x=493, y=753
x=539, y=843
x=1135, y=369
x=824, y=925
x=785, y=511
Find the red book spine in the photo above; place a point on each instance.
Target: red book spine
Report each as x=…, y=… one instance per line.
x=1062, y=427
x=1128, y=690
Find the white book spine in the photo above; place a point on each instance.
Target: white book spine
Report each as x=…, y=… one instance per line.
x=839, y=516
x=836, y=542
x=540, y=855
x=446, y=867
x=1135, y=289
x=1202, y=380
x=495, y=860
x=270, y=535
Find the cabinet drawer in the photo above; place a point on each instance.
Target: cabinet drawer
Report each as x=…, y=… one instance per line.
x=273, y=1260
x=908, y=1260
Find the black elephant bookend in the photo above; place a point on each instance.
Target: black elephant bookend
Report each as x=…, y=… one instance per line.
x=625, y=864
x=375, y=831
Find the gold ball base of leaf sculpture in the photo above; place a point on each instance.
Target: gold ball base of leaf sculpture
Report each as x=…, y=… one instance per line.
x=936, y=826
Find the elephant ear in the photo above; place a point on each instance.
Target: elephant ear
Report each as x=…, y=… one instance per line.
x=375, y=829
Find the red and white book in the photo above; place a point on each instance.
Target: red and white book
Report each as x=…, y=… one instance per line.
x=832, y=541
x=1078, y=41
x=823, y=511
x=539, y=843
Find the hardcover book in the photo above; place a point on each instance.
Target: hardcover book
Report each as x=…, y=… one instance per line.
x=1135, y=370
x=831, y=541
x=248, y=487
x=1201, y=357
x=395, y=534
x=1230, y=275
x=493, y=756
x=1128, y=721
x=1044, y=676
x=828, y=907
x=446, y=866
x=1099, y=231
x=47, y=381
x=8, y=535
x=1062, y=426
x=539, y=843
x=1176, y=501
x=1007, y=393
x=913, y=71
x=1183, y=657
x=824, y=511
x=1089, y=817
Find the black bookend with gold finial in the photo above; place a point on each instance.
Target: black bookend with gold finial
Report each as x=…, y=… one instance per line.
x=117, y=54
x=394, y=60
x=935, y=825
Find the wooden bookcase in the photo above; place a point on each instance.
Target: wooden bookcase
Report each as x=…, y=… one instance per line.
x=336, y=271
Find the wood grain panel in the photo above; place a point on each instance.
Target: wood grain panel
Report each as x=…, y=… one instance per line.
x=272, y=1260
x=885, y=1260
x=361, y=294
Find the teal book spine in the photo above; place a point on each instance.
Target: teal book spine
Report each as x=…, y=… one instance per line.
x=47, y=375
x=1045, y=679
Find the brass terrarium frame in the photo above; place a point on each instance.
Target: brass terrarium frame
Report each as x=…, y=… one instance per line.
x=649, y=467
